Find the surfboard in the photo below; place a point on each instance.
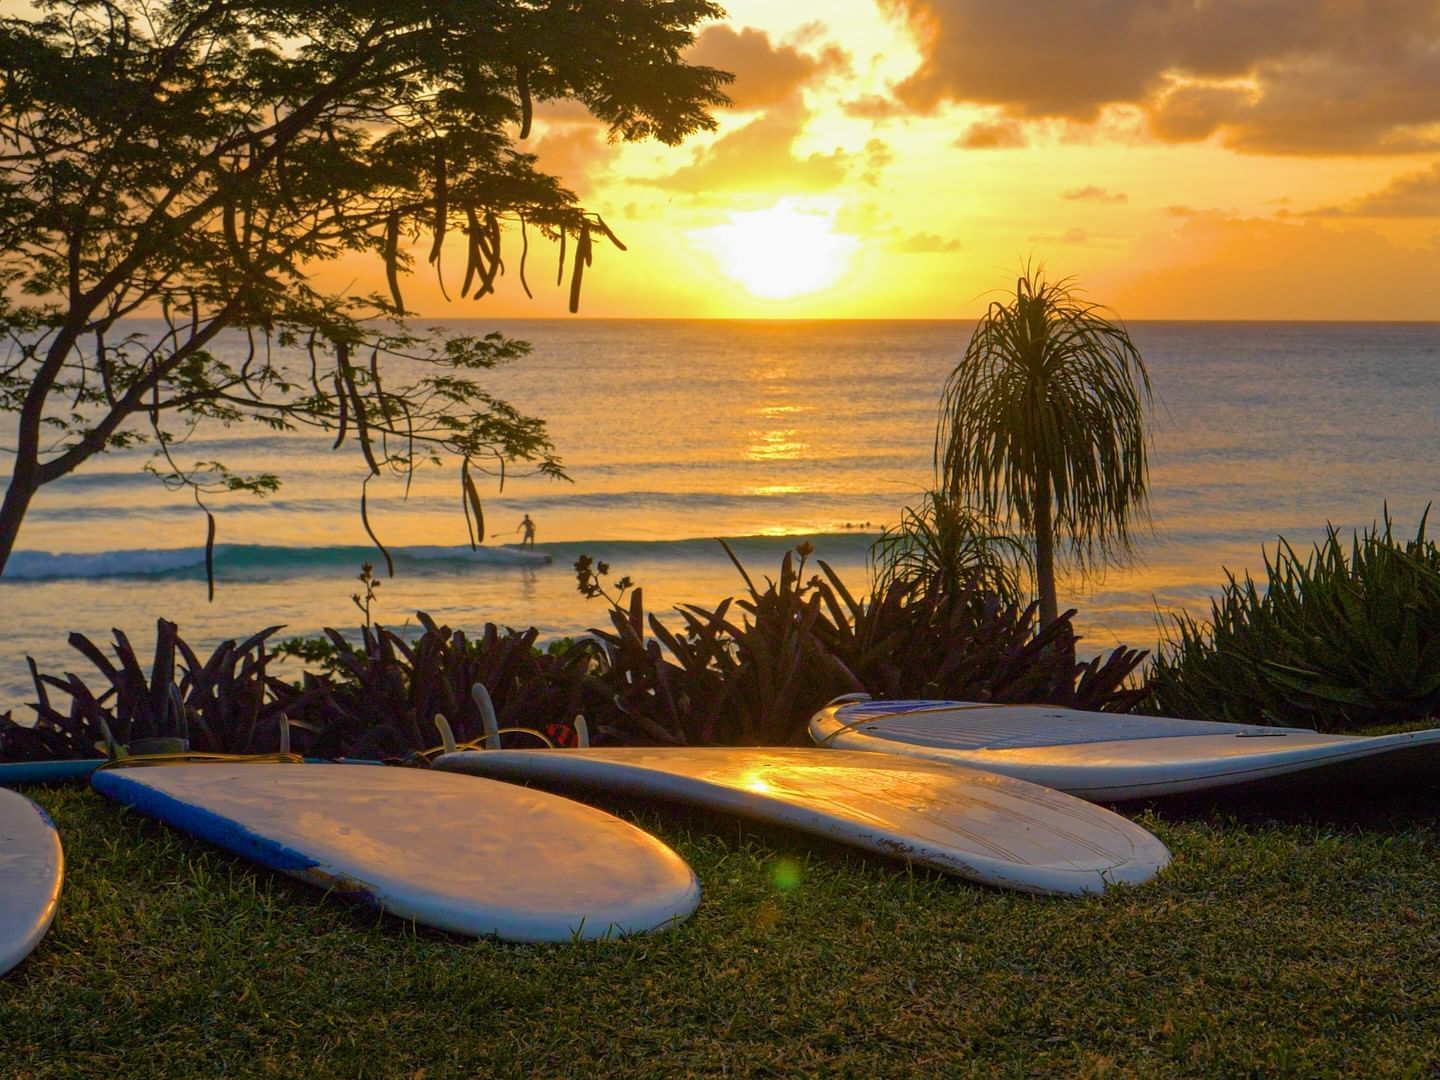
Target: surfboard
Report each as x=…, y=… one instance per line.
x=32, y=867
x=1108, y=757
x=431, y=847
x=981, y=826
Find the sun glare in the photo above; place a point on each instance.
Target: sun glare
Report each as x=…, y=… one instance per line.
x=780, y=252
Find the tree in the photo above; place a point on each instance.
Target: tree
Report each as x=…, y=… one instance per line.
x=1043, y=423
x=195, y=159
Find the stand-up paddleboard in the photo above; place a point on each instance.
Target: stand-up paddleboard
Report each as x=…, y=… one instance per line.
x=980, y=826
x=1110, y=757
x=498, y=859
x=32, y=866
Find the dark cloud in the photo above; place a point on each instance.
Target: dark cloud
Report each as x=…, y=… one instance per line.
x=1416, y=195
x=760, y=157
x=765, y=74
x=1091, y=193
x=996, y=135
x=1272, y=76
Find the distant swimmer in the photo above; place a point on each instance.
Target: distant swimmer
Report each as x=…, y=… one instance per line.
x=528, y=540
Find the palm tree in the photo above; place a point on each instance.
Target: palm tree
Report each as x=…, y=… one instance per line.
x=1042, y=423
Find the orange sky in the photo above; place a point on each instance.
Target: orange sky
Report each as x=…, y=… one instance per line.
x=1218, y=159
x=1201, y=159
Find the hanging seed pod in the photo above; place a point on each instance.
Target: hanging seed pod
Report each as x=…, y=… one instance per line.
x=560, y=270
x=365, y=521
x=524, y=253
x=491, y=265
x=442, y=207
x=472, y=249
x=346, y=375
x=392, y=258
x=344, y=402
x=582, y=260
x=527, y=108
x=472, y=499
x=609, y=235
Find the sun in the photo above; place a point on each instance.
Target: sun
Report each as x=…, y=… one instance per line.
x=780, y=252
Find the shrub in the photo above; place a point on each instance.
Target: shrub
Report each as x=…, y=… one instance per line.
x=387, y=690
x=800, y=642
x=229, y=703
x=1346, y=638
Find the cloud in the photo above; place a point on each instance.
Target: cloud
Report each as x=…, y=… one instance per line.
x=1091, y=193
x=1218, y=266
x=1271, y=76
x=760, y=157
x=576, y=153
x=765, y=74
x=1070, y=236
x=873, y=107
x=924, y=243
x=1415, y=195
x=992, y=135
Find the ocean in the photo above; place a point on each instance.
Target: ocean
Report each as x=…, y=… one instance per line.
x=675, y=433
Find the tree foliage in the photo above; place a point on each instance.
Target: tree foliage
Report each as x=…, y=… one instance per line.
x=195, y=160
x=1043, y=422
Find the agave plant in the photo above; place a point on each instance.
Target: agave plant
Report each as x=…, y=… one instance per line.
x=229, y=702
x=388, y=690
x=1347, y=637
x=753, y=671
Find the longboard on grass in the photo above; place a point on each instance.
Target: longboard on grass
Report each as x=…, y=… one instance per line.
x=987, y=828
x=1109, y=757
x=439, y=849
x=32, y=868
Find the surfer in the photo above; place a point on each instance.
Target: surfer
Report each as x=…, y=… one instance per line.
x=528, y=540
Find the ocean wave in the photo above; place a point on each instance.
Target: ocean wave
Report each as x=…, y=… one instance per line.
x=262, y=562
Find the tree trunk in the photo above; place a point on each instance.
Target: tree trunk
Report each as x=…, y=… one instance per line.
x=1045, y=552
x=12, y=513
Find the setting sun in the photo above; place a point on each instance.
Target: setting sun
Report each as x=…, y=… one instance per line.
x=780, y=252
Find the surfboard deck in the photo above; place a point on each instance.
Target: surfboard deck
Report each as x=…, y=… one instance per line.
x=981, y=826
x=494, y=860
x=32, y=869
x=1107, y=757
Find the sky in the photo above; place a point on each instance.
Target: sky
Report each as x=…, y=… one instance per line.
x=1195, y=159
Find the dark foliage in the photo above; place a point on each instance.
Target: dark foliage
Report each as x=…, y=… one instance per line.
x=757, y=678
x=388, y=690
x=228, y=703
x=1347, y=638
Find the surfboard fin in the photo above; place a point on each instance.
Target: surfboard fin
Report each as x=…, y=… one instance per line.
x=487, y=716
x=447, y=736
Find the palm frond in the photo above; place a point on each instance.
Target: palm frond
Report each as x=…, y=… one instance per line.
x=1050, y=388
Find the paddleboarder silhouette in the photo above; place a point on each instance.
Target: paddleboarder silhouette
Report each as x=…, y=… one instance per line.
x=528, y=540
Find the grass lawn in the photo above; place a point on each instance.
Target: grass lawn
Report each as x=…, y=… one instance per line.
x=1308, y=946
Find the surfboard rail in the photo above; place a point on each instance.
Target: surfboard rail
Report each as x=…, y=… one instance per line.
x=1107, y=757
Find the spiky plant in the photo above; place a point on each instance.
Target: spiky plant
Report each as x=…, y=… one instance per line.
x=950, y=547
x=1043, y=424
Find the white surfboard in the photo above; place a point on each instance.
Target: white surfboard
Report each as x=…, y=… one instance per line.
x=1111, y=757
x=980, y=826
x=32, y=866
x=438, y=849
